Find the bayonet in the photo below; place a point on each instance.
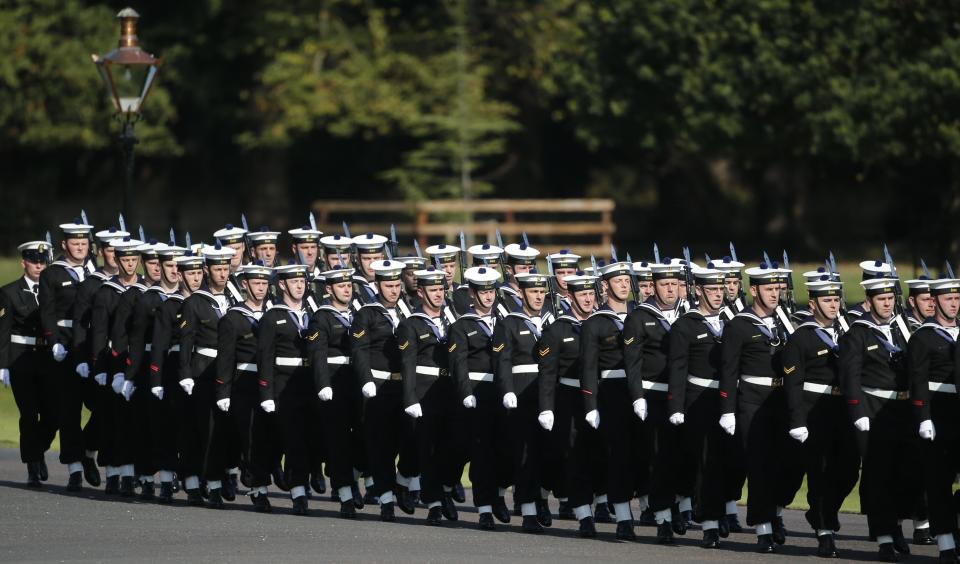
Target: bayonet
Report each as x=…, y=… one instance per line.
x=173, y=237
x=123, y=224
x=656, y=254
x=143, y=237
x=733, y=252
x=923, y=266
x=313, y=222
x=613, y=254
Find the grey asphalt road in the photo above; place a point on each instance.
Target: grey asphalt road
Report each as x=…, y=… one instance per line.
x=50, y=525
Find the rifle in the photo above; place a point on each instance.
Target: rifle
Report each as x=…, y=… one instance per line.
x=354, y=259
x=554, y=290
x=91, y=242
x=246, y=238
x=791, y=301
x=446, y=315
x=780, y=313
x=404, y=297
x=596, y=287
x=463, y=257
x=898, y=292
x=688, y=277
x=394, y=244
x=741, y=295
x=634, y=285
x=500, y=261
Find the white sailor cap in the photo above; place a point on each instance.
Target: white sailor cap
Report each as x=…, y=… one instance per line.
x=149, y=250
x=728, y=265
x=336, y=242
x=125, y=246
x=230, y=234
x=291, y=270
x=532, y=279
x=189, y=261
x=767, y=274
x=413, y=261
x=485, y=253
x=429, y=276
x=35, y=251
x=875, y=269
x=708, y=275
x=580, y=281
x=217, y=254
x=263, y=236
x=387, y=270
x=305, y=234
x=444, y=253
x=819, y=273
x=169, y=252
x=482, y=277
x=107, y=235
x=642, y=270
x=615, y=269
x=668, y=268
x=337, y=274
x=944, y=286
x=564, y=259
x=76, y=229
x=369, y=243
x=824, y=286
x=521, y=254
x=919, y=285
x=877, y=286
x=255, y=270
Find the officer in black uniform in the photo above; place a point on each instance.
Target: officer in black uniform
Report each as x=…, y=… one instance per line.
x=818, y=412
x=515, y=341
x=23, y=357
x=472, y=367
x=933, y=364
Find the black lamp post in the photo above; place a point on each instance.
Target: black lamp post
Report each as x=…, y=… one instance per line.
x=128, y=72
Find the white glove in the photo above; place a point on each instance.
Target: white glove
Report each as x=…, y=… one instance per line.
x=927, y=431
x=640, y=408
x=676, y=419
x=59, y=352
x=369, y=390
x=862, y=424
x=117, y=383
x=546, y=420
x=101, y=378
x=729, y=423
x=470, y=402
x=325, y=393
x=224, y=404
x=187, y=385
x=269, y=406
x=800, y=433
x=414, y=411
x=127, y=389
x=157, y=391
x=510, y=400
x=5, y=377
x=593, y=418
x=83, y=369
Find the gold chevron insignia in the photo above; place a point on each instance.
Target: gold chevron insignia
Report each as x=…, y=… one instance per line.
x=628, y=341
x=184, y=324
x=789, y=370
x=545, y=352
x=314, y=336
x=404, y=346
x=452, y=347
x=498, y=349
x=360, y=334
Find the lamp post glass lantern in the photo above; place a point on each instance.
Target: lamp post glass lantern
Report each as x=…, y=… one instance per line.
x=128, y=73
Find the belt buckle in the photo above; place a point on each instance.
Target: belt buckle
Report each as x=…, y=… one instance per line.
x=306, y=362
x=777, y=382
x=903, y=395
x=835, y=391
x=443, y=372
x=395, y=376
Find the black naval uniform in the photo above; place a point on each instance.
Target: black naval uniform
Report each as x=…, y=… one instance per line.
x=25, y=353
x=167, y=415
x=934, y=367
x=871, y=366
x=811, y=378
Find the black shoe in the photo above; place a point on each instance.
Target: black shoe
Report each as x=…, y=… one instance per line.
x=261, y=503
x=194, y=498
x=500, y=510
x=318, y=483
x=711, y=539
x=435, y=516
x=90, y=471
x=733, y=523
x=386, y=513
x=357, y=498
x=765, y=544
x=370, y=499
x=665, y=533
x=723, y=528
x=602, y=514
x=415, y=497
x=887, y=553
x=543, y=513
x=300, y=506
x=147, y=491
x=112, y=487
x=920, y=536
x=948, y=556
x=779, y=531
x=647, y=518
x=449, y=508
x=348, y=510
x=215, y=499
x=280, y=479
x=588, y=529
x=126, y=486
x=44, y=474
x=625, y=531
x=459, y=495
x=486, y=522
x=75, y=483
x=900, y=543
x=826, y=547
x=33, y=475
x=565, y=512
x=166, y=492
x=229, y=489
x=531, y=525
x=404, y=502
x=677, y=523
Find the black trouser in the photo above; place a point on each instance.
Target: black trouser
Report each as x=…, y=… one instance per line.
x=385, y=426
x=627, y=470
x=436, y=436
x=107, y=414
x=163, y=415
x=941, y=462
x=702, y=474
x=661, y=442
x=195, y=416
x=34, y=392
x=575, y=450
x=889, y=487
x=490, y=446
x=831, y=459
x=408, y=461
x=296, y=416
x=254, y=429
x=338, y=418
x=527, y=444
x=73, y=393
x=144, y=463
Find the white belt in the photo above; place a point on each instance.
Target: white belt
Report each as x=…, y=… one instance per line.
x=762, y=381
x=821, y=389
x=21, y=340
x=618, y=373
x=247, y=366
x=942, y=387
x=338, y=360
x=211, y=353
x=148, y=347
x=525, y=369
x=886, y=394
x=430, y=370
x=384, y=375
x=68, y=323
x=174, y=348
x=703, y=382
x=573, y=382
x=290, y=361
x=480, y=376
x=655, y=386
